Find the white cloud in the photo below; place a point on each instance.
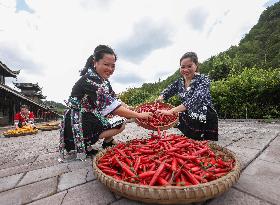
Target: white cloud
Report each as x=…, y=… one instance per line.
x=59, y=36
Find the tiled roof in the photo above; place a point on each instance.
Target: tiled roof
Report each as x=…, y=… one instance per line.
x=28, y=86
x=8, y=72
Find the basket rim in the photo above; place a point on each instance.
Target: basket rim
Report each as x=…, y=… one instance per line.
x=21, y=134
x=232, y=173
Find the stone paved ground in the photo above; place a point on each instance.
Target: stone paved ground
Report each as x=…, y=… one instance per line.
x=31, y=174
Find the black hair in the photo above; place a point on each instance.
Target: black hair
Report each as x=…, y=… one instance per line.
x=87, y=65
x=24, y=106
x=192, y=56
x=98, y=54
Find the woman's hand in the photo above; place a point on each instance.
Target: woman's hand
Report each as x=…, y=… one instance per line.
x=165, y=112
x=145, y=115
x=159, y=99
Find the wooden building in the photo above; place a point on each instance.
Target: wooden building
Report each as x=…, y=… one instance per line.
x=32, y=91
x=11, y=100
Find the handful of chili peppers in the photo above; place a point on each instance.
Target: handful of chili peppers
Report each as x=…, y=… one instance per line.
x=162, y=160
x=157, y=120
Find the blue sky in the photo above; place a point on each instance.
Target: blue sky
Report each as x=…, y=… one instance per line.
x=50, y=40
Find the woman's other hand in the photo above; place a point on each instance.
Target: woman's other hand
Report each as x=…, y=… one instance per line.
x=145, y=115
x=165, y=112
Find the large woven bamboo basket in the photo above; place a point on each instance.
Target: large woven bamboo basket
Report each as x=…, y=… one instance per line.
x=11, y=135
x=171, y=194
x=149, y=127
x=21, y=134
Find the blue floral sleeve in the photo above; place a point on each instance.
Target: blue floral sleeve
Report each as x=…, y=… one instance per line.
x=170, y=91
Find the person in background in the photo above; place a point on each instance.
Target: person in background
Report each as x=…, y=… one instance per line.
x=197, y=117
x=91, y=101
x=24, y=117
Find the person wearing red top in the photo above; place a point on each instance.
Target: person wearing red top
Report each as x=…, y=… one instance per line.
x=24, y=117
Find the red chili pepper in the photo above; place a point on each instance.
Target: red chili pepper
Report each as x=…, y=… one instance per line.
x=167, y=165
x=117, y=177
x=102, y=167
x=172, y=150
x=178, y=174
x=184, y=181
x=156, y=175
x=178, y=182
x=182, y=163
x=124, y=156
x=162, y=158
x=153, y=167
x=185, y=157
x=219, y=170
x=125, y=168
x=221, y=174
x=222, y=163
x=146, y=151
x=110, y=172
x=192, y=179
x=105, y=164
x=137, y=163
x=182, y=144
x=167, y=177
x=195, y=169
x=199, y=178
x=162, y=181
x=200, y=152
x=146, y=174
x=174, y=165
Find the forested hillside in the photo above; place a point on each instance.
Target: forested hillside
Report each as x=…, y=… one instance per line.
x=245, y=78
x=59, y=107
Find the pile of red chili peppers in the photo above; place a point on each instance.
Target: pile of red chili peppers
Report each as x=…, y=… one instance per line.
x=163, y=159
x=156, y=120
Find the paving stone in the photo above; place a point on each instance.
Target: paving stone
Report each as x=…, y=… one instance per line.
x=256, y=140
x=125, y=201
x=44, y=163
x=90, y=175
x=199, y=203
x=29, y=193
x=44, y=173
x=78, y=164
x=9, y=182
x=53, y=200
x=28, y=167
x=244, y=154
x=226, y=140
x=276, y=141
x=271, y=153
x=88, y=194
x=262, y=179
x=18, y=162
x=14, y=170
x=28, y=152
x=71, y=179
x=48, y=156
x=235, y=197
x=117, y=196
